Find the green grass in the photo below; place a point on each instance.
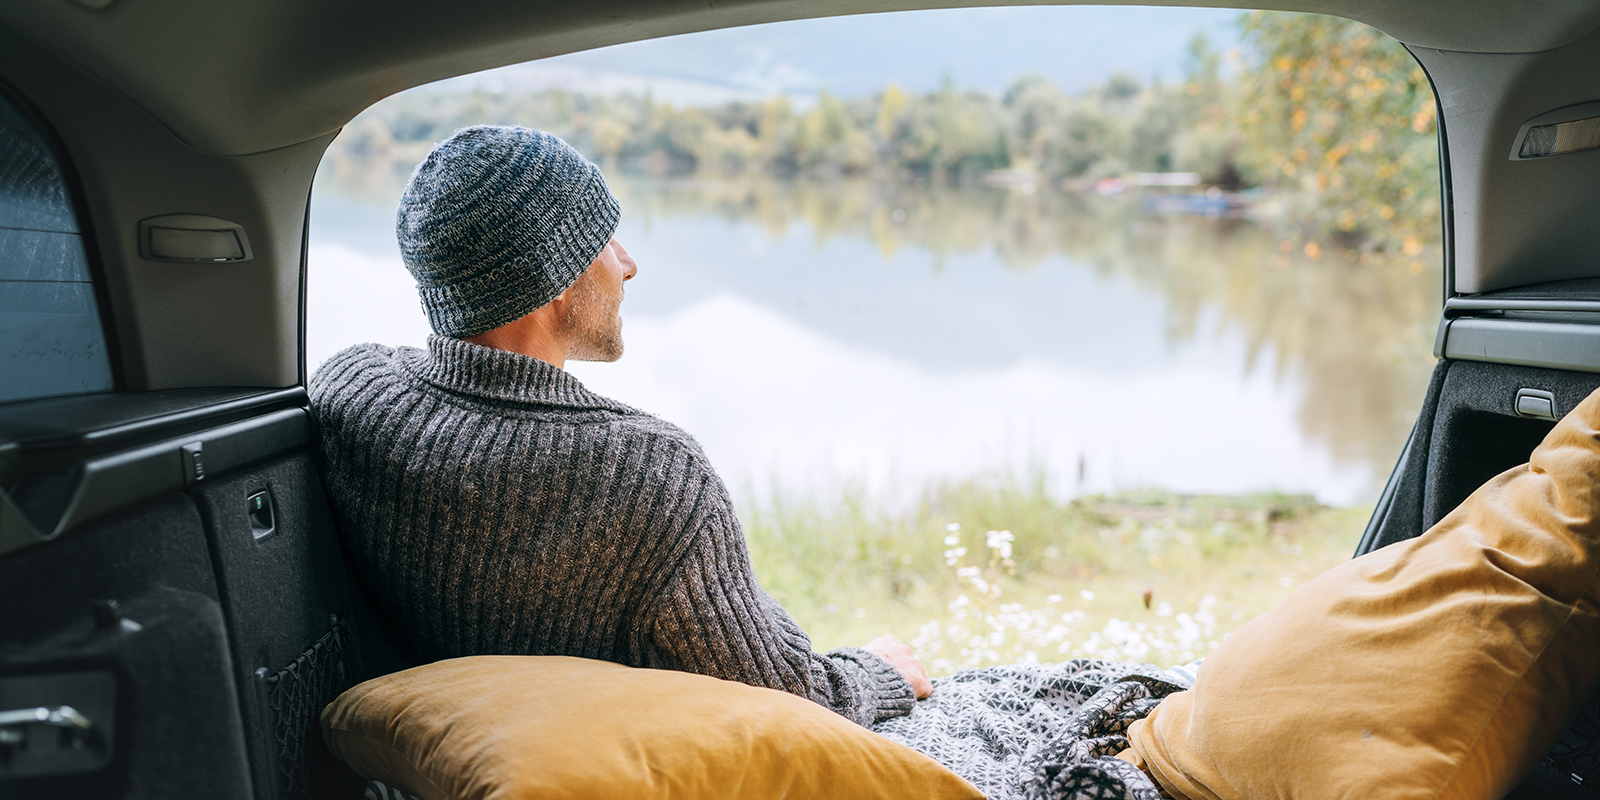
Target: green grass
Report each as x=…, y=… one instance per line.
x=1148, y=576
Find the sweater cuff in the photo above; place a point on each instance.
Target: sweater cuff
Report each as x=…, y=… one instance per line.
x=890, y=694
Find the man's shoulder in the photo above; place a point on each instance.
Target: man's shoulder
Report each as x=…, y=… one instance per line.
x=357, y=363
x=645, y=425
x=356, y=357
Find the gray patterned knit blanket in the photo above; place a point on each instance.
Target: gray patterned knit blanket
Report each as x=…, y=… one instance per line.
x=1027, y=731
x=1039, y=731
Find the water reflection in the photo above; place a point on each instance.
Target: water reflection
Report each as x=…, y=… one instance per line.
x=1357, y=333
x=901, y=334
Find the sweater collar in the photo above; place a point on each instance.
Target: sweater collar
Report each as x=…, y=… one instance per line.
x=486, y=372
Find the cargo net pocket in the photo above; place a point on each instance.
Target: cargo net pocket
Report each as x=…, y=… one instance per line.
x=296, y=695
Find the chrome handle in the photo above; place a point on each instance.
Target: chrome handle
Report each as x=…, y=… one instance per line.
x=12, y=722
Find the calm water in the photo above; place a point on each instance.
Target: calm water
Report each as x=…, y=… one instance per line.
x=811, y=335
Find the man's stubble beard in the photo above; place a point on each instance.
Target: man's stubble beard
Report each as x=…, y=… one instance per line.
x=592, y=321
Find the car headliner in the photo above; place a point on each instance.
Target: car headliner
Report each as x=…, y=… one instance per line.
x=250, y=75
x=225, y=109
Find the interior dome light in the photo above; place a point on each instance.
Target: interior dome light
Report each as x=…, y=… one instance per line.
x=1556, y=140
x=192, y=238
x=1568, y=130
x=180, y=244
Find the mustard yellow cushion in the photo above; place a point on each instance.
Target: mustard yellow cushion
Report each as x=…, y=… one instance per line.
x=1443, y=667
x=556, y=727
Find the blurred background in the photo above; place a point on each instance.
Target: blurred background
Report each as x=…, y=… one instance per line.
x=1150, y=291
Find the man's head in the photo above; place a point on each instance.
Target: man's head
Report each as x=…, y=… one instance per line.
x=499, y=221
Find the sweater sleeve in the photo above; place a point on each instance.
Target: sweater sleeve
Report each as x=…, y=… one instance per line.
x=714, y=619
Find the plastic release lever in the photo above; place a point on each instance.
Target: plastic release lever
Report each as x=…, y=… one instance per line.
x=1536, y=404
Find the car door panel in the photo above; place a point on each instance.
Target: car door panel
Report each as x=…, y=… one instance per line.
x=300, y=632
x=132, y=596
x=226, y=629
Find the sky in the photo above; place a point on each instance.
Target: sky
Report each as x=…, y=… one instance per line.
x=1076, y=47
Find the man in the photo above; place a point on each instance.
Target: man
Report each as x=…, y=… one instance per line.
x=497, y=506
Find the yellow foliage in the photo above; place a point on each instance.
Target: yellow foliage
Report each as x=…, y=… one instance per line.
x=1373, y=134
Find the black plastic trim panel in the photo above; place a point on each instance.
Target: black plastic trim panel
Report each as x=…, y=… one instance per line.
x=89, y=420
x=43, y=506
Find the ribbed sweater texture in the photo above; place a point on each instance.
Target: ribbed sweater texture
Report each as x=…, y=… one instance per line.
x=496, y=506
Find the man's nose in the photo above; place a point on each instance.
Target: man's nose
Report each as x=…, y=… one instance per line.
x=629, y=268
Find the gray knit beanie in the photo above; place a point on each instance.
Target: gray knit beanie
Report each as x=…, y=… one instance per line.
x=496, y=222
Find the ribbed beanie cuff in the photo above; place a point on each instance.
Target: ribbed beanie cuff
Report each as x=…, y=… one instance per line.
x=497, y=221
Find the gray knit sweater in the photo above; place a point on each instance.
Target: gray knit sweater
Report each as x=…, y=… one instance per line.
x=496, y=506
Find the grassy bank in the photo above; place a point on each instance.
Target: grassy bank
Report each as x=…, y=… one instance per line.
x=997, y=571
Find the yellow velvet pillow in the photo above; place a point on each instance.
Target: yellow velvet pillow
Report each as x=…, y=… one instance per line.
x=557, y=727
x=1444, y=667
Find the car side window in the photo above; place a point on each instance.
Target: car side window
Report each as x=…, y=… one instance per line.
x=51, y=339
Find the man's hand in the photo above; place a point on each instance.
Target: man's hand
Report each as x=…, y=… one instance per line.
x=899, y=656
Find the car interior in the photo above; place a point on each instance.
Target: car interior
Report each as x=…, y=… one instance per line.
x=175, y=608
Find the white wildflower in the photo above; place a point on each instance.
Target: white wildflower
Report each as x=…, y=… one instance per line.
x=953, y=555
x=1000, y=541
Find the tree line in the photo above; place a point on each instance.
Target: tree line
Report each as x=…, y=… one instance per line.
x=1331, y=120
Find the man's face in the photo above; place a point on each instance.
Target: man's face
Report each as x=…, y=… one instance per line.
x=591, y=319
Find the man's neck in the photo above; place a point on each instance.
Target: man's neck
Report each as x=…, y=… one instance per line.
x=533, y=335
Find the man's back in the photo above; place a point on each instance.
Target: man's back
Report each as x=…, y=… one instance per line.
x=498, y=507
x=471, y=484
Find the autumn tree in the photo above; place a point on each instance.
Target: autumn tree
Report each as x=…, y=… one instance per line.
x=1339, y=120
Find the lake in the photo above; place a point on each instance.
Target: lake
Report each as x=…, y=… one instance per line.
x=819, y=335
